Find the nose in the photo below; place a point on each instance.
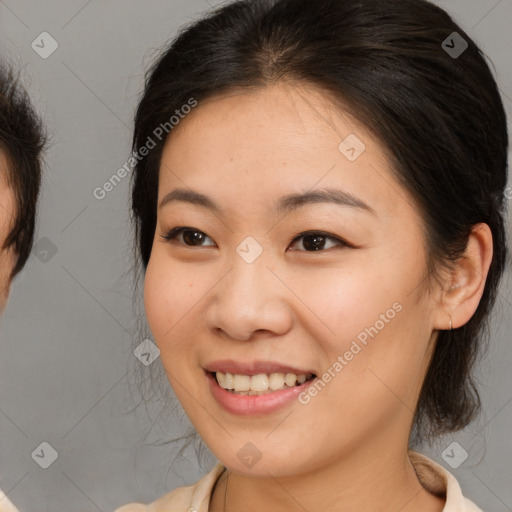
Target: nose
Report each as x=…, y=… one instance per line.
x=249, y=299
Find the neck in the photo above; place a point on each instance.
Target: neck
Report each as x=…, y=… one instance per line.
x=382, y=481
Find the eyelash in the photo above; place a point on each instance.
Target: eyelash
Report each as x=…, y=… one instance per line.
x=171, y=235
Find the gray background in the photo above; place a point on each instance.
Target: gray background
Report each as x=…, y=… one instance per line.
x=68, y=372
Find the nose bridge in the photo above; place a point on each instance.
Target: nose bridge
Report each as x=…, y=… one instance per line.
x=248, y=298
x=249, y=269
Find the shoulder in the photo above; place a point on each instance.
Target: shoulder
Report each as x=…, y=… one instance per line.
x=438, y=480
x=190, y=498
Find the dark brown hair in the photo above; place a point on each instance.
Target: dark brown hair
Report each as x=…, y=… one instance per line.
x=439, y=115
x=22, y=139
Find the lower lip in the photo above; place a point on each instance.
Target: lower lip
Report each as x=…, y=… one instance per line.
x=247, y=405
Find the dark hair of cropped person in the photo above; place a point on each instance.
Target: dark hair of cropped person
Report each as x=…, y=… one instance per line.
x=440, y=118
x=22, y=141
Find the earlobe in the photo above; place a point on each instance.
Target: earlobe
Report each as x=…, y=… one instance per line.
x=468, y=279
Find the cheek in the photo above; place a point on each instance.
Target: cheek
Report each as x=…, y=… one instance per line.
x=7, y=262
x=368, y=317
x=161, y=290
x=342, y=304
x=153, y=297
x=170, y=296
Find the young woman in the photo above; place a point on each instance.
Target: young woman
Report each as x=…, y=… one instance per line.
x=22, y=139
x=319, y=196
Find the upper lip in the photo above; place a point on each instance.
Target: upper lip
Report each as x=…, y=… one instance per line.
x=253, y=367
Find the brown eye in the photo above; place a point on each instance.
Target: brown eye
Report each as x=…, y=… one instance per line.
x=317, y=241
x=191, y=237
x=312, y=240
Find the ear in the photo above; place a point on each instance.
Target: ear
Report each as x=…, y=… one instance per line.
x=460, y=300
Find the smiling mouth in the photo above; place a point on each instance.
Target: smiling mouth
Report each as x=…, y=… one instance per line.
x=261, y=384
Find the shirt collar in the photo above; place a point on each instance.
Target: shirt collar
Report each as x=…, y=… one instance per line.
x=432, y=476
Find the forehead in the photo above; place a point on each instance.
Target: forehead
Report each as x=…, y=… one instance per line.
x=253, y=146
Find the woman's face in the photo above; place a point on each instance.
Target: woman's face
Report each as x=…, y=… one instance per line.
x=7, y=209
x=240, y=291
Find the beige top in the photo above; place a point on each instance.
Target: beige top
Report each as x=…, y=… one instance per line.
x=5, y=503
x=196, y=497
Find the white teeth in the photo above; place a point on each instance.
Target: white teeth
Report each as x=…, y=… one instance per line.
x=276, y=381
x=229, y=381
x=259, y=384
x=290, y=379
x=242, y=382
x=221, y=379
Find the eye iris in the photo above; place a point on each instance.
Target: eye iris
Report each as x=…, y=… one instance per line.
x=317, y=242
x=190, y=239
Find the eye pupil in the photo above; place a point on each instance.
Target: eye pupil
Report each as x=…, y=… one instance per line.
x=317, y=242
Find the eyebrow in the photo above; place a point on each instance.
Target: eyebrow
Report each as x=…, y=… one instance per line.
x=283, y=205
